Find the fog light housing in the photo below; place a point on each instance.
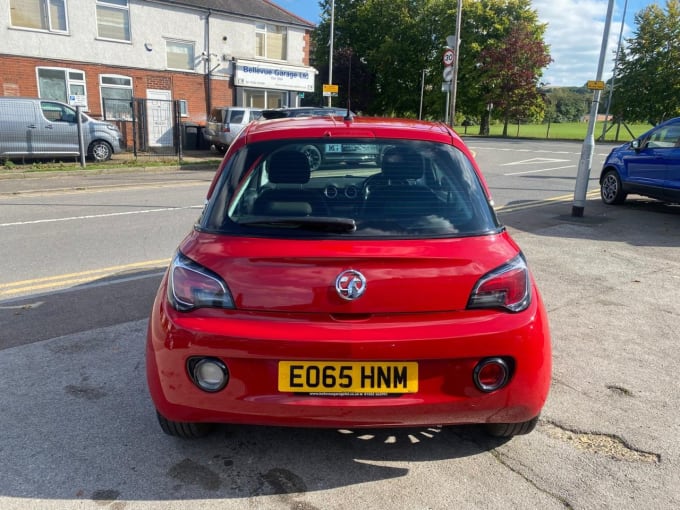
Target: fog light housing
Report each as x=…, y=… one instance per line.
x=209, y=374
x=491, y=374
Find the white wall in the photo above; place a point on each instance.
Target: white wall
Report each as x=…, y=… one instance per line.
x=150, y=23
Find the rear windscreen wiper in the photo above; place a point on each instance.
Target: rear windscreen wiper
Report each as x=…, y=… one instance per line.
x=316, y=223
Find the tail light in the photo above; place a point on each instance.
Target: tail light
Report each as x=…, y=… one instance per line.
x=191, y=285
x=506, y=287
x=225, y=129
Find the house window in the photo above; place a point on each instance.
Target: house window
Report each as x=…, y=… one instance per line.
x=183, y=108
x=39, y=14
x=180, y=55
x=65, y=85
x=257, y=98
x=270, y=41
x=113, y=19
x=116, y=94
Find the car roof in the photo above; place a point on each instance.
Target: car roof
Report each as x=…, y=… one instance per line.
x=358, y=127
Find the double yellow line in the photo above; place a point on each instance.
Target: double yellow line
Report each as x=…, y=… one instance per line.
x=537, y=203
x=70, y=279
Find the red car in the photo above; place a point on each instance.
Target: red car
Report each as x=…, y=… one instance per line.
x=361, y=294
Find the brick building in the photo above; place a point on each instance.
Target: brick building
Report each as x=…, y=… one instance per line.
x=100, y=53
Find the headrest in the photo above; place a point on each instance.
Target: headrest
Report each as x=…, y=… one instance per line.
x=289, y=167
x=400, y=164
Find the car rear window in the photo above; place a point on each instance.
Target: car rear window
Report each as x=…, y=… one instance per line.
x=349, y=188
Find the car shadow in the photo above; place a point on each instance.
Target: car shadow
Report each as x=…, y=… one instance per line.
x=638, y=222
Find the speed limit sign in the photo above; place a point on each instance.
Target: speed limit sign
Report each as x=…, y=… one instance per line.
x=447, y=58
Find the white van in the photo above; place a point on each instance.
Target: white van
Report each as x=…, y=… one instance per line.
x=39, y=128
x=226, y=122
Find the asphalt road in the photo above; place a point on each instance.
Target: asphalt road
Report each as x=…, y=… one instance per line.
x=79, y=430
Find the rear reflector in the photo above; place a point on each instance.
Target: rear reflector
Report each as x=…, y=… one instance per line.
x=491, y=374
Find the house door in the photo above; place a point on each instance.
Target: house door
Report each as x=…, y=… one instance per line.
x=159, y=117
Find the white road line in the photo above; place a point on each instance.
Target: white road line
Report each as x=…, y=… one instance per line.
x=95, y=216
x=535, y=161
x=540, y=170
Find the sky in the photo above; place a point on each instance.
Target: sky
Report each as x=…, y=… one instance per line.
x=574, y=34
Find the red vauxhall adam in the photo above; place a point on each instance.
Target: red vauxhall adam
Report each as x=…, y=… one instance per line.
x=377, y=291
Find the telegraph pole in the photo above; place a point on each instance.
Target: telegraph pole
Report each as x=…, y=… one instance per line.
x=454, y=81
x=330, y=57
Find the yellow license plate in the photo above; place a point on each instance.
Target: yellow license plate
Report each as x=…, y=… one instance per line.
x=355, y=377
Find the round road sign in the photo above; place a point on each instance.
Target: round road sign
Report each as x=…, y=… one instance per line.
x=447, y=58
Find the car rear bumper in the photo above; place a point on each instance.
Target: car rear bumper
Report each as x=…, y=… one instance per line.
x=446, y=347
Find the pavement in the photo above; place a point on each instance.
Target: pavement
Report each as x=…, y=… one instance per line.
x=607, y=437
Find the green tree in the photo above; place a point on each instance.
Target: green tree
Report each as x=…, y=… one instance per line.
x=512, y=68
x=569, y=104
x=648, y=77
x=393, y=41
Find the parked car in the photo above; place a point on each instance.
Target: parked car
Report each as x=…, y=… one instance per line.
x=328, y=153
x=649, y=166
x=40, y=128
x=305, y=111
x=375, y=296
x=226, y=122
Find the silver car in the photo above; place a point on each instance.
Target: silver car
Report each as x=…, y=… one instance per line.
x=39, y=128
x=226, y=122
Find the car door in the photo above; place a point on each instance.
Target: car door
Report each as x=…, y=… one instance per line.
x=18, y=126
x=646, y=166
x=58, y=130
x=672, y=156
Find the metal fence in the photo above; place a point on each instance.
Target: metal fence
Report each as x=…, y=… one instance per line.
x=150, y=127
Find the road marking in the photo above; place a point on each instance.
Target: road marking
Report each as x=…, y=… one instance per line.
x=542, y=151
x=539, y=170
x=95, y=216
x=101, y=188
x=67, y=280
x=27, y=306
x=534, y=161
x=538, y=203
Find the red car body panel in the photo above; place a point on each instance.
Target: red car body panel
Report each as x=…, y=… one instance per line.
x=446, y=346
x=280, y=275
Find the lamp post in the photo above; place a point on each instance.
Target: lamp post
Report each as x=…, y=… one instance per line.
x=586, y=160
x=330, y=57
x=454, y=81
x=422, y=91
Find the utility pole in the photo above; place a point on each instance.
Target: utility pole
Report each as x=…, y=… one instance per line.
x=616, y=67
x=454, y=84
x=422, y=91
x=330, y=57
x=586, y=160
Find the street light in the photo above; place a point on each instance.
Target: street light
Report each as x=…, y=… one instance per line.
x=422, y=91
x=454, y=84
x=330, y=58
x=586, y=160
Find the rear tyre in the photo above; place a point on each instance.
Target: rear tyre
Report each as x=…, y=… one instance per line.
x=184, y=430
x=221, y=148
x=100, y=151
x=510, y=429
x=611, y=189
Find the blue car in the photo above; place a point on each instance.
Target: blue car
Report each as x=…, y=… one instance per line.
x=649, y=166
